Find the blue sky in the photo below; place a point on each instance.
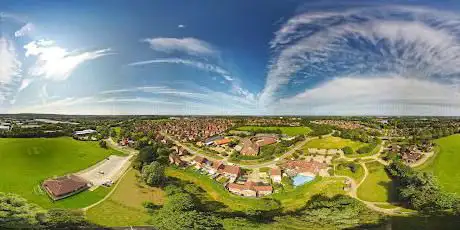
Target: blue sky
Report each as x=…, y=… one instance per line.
x=230, y=57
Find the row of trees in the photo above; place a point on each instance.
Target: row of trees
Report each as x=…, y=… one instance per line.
x=17, y=213
x=420, y=190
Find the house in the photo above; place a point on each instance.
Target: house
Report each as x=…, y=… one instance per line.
x=249, y=148
x=199, y=162
x=222, y=141
x=410, y=157
x=216, y=166
x=310, y=168
x=175, y=159
x=84, y=132
x=266, y=140
x=211, y=140
x=275, y=175
x=65, y=186
x=232, y=171
x=250, y=188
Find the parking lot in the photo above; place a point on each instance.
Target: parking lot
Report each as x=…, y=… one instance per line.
x=108, y=170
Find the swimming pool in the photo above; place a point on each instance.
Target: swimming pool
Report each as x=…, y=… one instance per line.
x=301, y=179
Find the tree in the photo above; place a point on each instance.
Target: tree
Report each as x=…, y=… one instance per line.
x=66, y=219
x=153, y=174
x=179, y=212
x=347, y=150
x=146, y=156
x=103, y=144
x=16, y=212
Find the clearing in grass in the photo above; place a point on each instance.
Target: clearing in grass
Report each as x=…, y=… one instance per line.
x=350, y=169
x=445, y=163
x=26, y=162
x=378, y=186
x=124, y=207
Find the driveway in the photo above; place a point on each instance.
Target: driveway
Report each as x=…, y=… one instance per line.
x=110, y=168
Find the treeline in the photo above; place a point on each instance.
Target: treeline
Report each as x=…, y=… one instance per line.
x=420, y=190
x=319, y=129
x=17, y=213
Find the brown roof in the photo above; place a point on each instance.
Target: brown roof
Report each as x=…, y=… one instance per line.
x=263, y=188
x=200, y=159
x=306, y=166
x=266, y=141
x=231, y=169
x=275, y=172
x=250, y=185
x=65, y=185
x=249, y=148
x=223, y=141
x=217, y=164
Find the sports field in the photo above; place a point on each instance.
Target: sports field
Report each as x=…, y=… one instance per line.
x=445, y=164
x=288, y=130
x=331, y=142
x=25, y=162
x=124, y=206
x=378, y=186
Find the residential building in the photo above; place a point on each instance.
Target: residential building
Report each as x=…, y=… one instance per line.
x=275, y=175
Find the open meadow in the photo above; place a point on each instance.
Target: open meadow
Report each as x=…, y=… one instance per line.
x=288, y=130
x=331, y=142
x=445, y=163
x=26, y=162
x=124, y=206
x=378, y=186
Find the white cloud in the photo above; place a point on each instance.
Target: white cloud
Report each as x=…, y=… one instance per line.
x=180, y=26
x=196, y=64
x=379, y=96
x=406, y=41
x=191, y=46
x=56, y=63
x=24, y=84
x=27, y=29
x=10, y=66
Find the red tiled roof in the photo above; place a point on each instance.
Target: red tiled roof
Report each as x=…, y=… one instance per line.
x=217, y=164
x=275, y=172
x=306, y=166
x=231, y=169
x=263, y=188
x=250, y=185
x=65, y=185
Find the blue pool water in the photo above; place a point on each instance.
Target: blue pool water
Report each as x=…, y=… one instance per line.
x=301, y=179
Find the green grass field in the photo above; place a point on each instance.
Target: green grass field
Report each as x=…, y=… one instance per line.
x=124, y=206
x=331, y=142
x=288, y=130
x=378, y=186
x=445, y=164
x=27, y=162
x=343, y=170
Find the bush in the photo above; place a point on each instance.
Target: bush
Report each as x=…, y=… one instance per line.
x=347, y=150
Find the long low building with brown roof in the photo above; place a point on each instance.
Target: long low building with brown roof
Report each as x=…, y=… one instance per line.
x=65, y=186
x=250, y=188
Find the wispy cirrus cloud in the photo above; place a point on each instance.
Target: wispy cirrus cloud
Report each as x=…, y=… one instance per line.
x=56, y=63
x=386, y=95
x=25, y=30
x=191, y=46
x=10, y=69
x=370, y=42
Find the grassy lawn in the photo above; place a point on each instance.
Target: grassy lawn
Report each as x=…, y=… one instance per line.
x=445, y=164
x=124, y=207
x=377, y=187
x=343, y=170
x=25, y=162
x=203, y=151
x=296, y=198
x=288, y=130
x=331, y=142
